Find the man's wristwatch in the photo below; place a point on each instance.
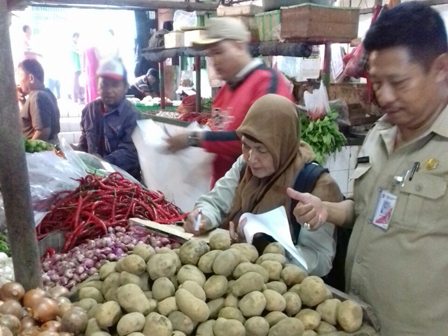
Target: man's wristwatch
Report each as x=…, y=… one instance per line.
x=194, y=139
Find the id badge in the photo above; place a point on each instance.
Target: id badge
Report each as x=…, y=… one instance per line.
x=384, y=209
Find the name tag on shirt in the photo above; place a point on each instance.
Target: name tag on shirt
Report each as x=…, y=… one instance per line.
x=384, y=209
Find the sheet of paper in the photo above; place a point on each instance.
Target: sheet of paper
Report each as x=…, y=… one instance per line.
x=275, y=224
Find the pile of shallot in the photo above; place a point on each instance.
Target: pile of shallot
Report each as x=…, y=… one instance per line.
x=38, y=312
x=69, y=269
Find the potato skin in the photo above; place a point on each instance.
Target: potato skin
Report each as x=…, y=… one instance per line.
x=205, y=264
x=287, y=326
x=245, y=267
x=134, y=264
x=192, y=251
x=161, y=265
x=224, y=327
x=129, y=278
x=312, y=291
x=107, y=269
x=192, y=273
x=157, y=325
x=277, y=286
x=216, y=286
x=181, y=322
x=324, y=328
x=274, y=301
x=249, y=250
x=230, y=313
x=272, y=256
x=220, y=241
x=293, y=275
x=129, y=323
x=108, y=314
x=295, y=289
x=293, y=303
x=162, y=289
x=167, y=306
x=309, y=333
x=231, y=301
x=310, y=318
x=247, y=283
x=196, y=309
x=350, y=316
x=252, y=304
x=256, y=326
x=206, y=328
x=195, y=289
x=144, y=251
x=274, y=317
x=275, y=248
x=225, y=263
x=215, y=306
x=91, y=293
x=112, y=281
x=274, y=269
x=328, y=310
x=132, y=299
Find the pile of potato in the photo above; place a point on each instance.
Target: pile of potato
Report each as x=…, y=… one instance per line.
x=214, y=289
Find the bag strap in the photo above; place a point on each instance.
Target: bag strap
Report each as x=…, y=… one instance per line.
x=305, y=183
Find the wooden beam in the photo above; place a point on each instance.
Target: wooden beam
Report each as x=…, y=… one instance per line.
x=127, y=4
x=14, y=171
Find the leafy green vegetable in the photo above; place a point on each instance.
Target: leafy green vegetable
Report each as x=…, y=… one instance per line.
x=322, y=135
x=207, y=104
x=4, y=245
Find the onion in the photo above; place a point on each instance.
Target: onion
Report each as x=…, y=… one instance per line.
x=51, y=326
x=62, y=299
x=45, y=310
x=33, y=296
x=57, y=292
x=48, y=333
x=65, y=334
x=64, y=307
x=11, y=322
x=12, y=308
x=5, y=331
x=27, y=322
x=74, y=321
x=88, y=263
x=12, y=291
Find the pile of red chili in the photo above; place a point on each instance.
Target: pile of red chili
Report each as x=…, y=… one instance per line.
x=102, y=202
x=200, y=118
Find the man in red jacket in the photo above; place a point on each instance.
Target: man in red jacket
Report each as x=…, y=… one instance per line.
x=247, y=79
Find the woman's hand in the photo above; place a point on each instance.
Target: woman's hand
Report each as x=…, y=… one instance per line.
x=190, y=222
x=310, y=211
x=237, y=235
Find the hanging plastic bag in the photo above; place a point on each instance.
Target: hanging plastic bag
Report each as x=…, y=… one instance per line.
x=316, y=103
x=183, y=19
x=183, y=176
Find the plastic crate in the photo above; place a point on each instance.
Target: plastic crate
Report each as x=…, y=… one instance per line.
x=269, y=25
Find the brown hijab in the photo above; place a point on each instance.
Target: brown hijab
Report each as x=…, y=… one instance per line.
x=272, y=120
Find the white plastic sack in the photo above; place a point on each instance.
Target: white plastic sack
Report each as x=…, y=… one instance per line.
x=183, y=176
x=316, y=103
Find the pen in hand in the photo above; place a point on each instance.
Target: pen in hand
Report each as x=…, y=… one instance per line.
x=198, y=222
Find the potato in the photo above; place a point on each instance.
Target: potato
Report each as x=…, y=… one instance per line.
x=293, y=275
x=205, y=264
x=162, y=289
x=277, y=286
x=101, y=333
x=192, y=251
x=274, y=317
x=112, y=281
x=191, y=306
x=174, y=281
x=144, y=280
x=225, y=263
x=293, y=303
x=247, y=283
x=111, y=295
x=215, y=307
x=274, y=269
x=132, y=299
x=152, y=305
x=92, y=311
x=129, y=323
x=167, y=306
x=178, y=333
x=274, y=248
x=90, y=293
x=92, y=327
x=181, y=322
x=248, y=249
x=231, y=301
x=324, y=329
x=195, y=289
x=242, y=257
x=86, y=304
x=134, y=264
x=252, y=304
x=312, y=291
x=165, y=250
x=161, y=265
x=224, y=327
x=350, y=316
x=91, y=283
x=216, y=286
x=245, y=267
x=136, y=334
x=272, y=256
x=144, y=251
x=295, y=289
x=287, y=326
x=229, y=287
x=129, y=278
x=148, y=294
x=257, y=326
x=329, y=295
x=328, y=310
x=192, y=273
x=230, y=313
x=108, y=314
x=157, y=325
x=310, y=318
x=119, y=265
x=206, y=328
x=107, y=269
x=274, y=301
x=219, y=241
x=309, y=333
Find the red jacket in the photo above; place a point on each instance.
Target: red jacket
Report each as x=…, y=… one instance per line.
x=230, y=108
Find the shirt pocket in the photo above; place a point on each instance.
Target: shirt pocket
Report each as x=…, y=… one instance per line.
x=420, y=202
x=359, y=175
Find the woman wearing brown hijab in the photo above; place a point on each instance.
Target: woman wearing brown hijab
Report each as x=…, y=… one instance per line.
x=273, y=156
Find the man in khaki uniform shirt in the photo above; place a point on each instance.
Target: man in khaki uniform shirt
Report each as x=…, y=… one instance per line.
x=398, y=254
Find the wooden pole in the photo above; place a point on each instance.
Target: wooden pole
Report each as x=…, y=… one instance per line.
x=162, y=84
x=326, y=76
x=197, y=65
x=13, y=170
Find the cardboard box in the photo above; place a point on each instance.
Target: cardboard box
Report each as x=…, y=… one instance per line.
x=174, y=40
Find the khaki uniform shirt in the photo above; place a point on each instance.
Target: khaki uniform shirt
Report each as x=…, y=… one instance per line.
x=403, y=271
